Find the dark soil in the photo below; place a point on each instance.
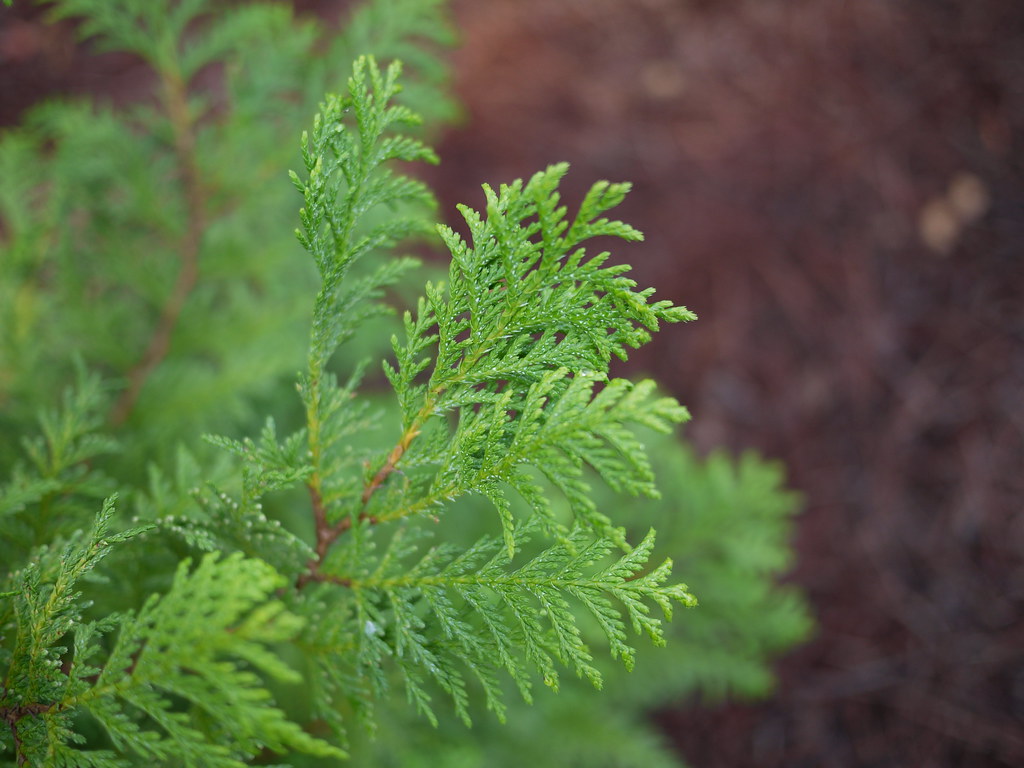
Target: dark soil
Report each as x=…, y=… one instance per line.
x=837, y=189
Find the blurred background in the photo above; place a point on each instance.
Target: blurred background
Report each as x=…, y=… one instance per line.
x=837, y=189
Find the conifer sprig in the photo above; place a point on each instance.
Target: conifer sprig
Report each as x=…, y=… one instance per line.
x=454, y=612
x=146, y=241
x=524, y=331
x=518, y=345
x=58, y=486
x=202, y=643
x=347, y=184
x=347, y=180
x=47, y=608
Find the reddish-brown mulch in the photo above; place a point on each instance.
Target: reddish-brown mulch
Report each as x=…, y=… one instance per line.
x=838, y=190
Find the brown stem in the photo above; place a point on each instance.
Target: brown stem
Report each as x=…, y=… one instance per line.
x=17, y=741
x=176, y=104
x=12, y=715
x=327, y=534
x=389, y=466
x=320, y=518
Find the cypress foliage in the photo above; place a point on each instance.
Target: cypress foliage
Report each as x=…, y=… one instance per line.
x=248, y=599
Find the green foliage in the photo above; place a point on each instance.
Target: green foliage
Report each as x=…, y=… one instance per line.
x=527, y=327
x=188, y=186
x=56, y=484
x=484, y=615
x=267, y=593
x=717, y=650
x=186, y=645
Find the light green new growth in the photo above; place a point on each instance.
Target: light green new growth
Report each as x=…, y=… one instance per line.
x=520, y=339
x=494, y=616
x=524, y=333
x=194, y=644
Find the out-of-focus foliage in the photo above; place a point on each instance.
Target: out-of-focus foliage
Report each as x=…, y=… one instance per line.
x=98, y=207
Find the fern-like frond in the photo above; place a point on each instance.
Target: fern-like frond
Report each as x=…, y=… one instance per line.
x=201, y=643
x=347, y=181
x=517, y=344
x=559, y=428
x=183, y=679
x=55, y=493
x=47, y=610
x=69, y=435
x=354, y=204
x=449, y=616
x=524, y=297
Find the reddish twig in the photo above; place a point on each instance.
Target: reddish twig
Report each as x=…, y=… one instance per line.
x=12, y=715
x=176, y=103
x=327, y=534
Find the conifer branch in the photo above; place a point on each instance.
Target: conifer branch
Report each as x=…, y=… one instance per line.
x=390, y=464
x=488, y=614
x=346, y=179
x=412, y=431
x=175, y=98
x=504, y=400
x=524, y=331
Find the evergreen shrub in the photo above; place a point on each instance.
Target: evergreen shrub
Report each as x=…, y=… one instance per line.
x=200, y=567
